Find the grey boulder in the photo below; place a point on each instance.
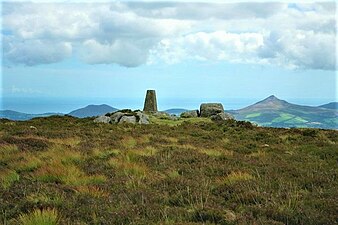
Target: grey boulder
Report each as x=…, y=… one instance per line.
x=221, y=116
x=115, y=117
x=228, y=116
x=211, y=109
x=128, y=119
x=214, y=111
x=164, y=115
x=129, y=116
x=189, y=114
x=142, y=118
x=161, y=115
x=102, y=119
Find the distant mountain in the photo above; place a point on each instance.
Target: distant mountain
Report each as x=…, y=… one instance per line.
x=92, y=110
x=175, y=111
x=272, y=112
x=14, y=115
x=88, y=111
x=275, y=112
x=331, y=105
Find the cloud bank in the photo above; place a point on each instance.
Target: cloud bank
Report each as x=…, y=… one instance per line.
x=295, y=36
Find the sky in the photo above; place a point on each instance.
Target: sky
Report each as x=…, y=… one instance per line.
x=184, y=50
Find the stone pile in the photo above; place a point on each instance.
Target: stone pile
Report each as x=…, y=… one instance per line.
x=214, y=111
x=124, y=116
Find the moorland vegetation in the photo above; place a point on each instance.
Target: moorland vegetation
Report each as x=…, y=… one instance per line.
x=66, y=170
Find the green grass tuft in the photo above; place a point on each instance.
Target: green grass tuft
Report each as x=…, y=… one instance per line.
x=8, y=177
x=40, y=217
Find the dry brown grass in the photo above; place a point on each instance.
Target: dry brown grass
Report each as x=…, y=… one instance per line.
x=193, y=173
x=236, y=176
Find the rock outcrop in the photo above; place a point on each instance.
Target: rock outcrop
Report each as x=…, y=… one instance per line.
x=102, y=119
x=221, y=116
x=164, y=115
x=116, y=117
x=214, y=111
x=124, y=116
x=211, y=109
x=190, y=114
x=128, y=119
x=142, y=118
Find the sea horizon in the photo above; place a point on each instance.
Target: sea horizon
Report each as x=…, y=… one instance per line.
x=37, y=105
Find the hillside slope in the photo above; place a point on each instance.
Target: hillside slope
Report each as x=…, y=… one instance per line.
x=81, y=172
x=92, y=110
x=279, y=113
x=331, y=105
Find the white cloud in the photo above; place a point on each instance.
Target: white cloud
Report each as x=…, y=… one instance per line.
x=215, y=46
x=202, y=11
x=300, y=49
x=135, y=33
x=120, y=52
x=295, y=49
x=35, y=52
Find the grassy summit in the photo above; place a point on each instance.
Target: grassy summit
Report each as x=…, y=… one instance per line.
x=65, y=170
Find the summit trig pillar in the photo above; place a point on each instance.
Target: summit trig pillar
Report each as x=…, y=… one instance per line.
x=150, y=103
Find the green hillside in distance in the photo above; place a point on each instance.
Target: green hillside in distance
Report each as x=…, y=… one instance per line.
x=195, y=172
x=271, y=112
x=274, y=112
x=331, y=105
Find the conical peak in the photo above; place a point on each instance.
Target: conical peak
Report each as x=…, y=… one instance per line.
x=272, y=97
x=271, y=101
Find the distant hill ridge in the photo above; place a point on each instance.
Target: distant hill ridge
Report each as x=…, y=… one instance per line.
x=271, y=111
x=88, y=111
x=175, y=111
x=331, y=105
x=14, y=115
x=275, y=112
x=92, y=110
